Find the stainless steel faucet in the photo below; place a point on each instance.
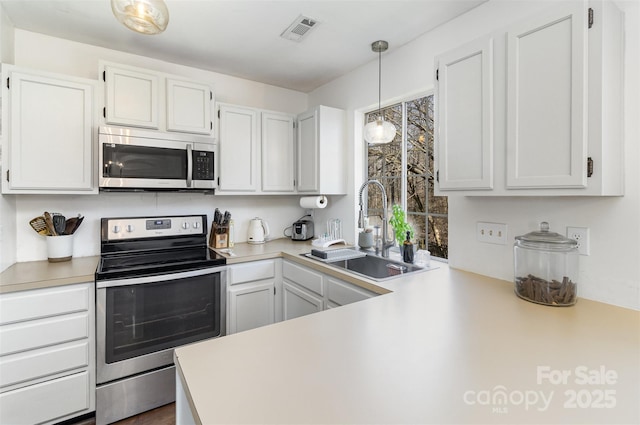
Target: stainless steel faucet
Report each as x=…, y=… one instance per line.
x=386, y=244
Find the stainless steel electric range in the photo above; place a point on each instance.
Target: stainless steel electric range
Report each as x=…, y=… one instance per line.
x=158, y=286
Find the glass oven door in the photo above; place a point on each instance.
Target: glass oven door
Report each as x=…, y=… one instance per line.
x=141, y=320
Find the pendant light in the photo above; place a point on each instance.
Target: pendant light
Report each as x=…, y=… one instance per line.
x=379, y=131
x=143, y=16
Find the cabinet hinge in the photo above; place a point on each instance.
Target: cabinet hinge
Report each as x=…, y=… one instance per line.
x=218, y=113
x=8, y=175
x=590, y=12
x=438, y=74
x=104, y=76
x=211, y=124
x=7, y=82
x=274, y=290
x=589, y=167
x=104, y=112
x=210, y=95
x=438, y=176
x=218, y=181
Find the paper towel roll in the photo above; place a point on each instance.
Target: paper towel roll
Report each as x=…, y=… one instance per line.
x=313, y=201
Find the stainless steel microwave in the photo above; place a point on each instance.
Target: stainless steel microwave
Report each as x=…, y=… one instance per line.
x=132, y=159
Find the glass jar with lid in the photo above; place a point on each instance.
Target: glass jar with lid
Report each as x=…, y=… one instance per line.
x=546, y=267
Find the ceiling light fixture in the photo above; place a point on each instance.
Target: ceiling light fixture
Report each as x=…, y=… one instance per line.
x=143, y=16
x=379, y=131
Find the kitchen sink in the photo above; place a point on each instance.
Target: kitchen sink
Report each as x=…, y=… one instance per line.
x=376, y=268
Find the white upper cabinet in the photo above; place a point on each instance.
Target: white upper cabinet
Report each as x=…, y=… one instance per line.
x=256, y=151
x=189, y=107
x=132, y=97
x=48, y=136
x=546, y=93
x=277, y=152
x=137, y=97
x=546, y=100
x=321, y=156
x=465, y=98
x=238, y=149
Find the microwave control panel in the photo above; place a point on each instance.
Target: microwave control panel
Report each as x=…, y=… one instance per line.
x=203, y=165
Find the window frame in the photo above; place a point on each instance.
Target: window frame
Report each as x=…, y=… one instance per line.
x=404, y=174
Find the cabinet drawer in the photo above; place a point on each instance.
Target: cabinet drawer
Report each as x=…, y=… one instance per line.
x=249, y=272
x=343, y=293
x=28, y=305
x=304, y=277
x=43, y=362
x=43, y=332
x=46, y=401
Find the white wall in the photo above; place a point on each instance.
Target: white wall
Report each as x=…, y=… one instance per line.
x=36, y=51
x=612, y=272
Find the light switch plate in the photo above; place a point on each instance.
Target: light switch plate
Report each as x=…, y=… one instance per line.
x=495, y=233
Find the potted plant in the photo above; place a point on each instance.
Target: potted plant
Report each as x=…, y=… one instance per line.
x=400, y=225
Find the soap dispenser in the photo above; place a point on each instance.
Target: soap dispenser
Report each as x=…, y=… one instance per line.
x=407, y=249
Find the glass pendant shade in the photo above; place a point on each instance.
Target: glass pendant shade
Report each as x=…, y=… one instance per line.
x=379, y=132
x=143, y=16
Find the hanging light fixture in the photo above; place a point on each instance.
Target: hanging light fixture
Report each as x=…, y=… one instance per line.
x=143, y=16
x=379, y=131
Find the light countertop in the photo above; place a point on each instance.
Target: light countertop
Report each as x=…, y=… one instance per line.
x=42, y=274
x=445, y=346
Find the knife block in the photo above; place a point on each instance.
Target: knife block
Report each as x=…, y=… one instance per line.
x=219, y=236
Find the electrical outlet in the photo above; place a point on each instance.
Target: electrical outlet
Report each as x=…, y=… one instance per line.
x=581, y=235
x=495, y=233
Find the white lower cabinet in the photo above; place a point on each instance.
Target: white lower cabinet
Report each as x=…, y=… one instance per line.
x=298, y=302
x=251, y=295
x=340, y=292
x=47, y=355
x=307, y=291
x=263, y=292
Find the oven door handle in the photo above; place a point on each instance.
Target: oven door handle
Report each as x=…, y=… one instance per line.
x=189, y=165
x=158, y=278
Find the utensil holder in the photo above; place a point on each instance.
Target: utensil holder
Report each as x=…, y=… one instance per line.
x=59, y=248
x=219, y=236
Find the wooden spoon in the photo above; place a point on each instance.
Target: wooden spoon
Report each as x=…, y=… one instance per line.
x=49, y=221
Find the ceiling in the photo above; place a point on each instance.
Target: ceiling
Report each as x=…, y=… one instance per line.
x=242, y=37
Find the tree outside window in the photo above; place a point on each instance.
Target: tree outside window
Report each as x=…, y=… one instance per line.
x=405, y=167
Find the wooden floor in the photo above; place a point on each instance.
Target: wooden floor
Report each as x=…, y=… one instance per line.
x=164, y=415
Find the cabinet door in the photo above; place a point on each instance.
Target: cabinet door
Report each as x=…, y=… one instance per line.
x=277, y=152
x=298, y=302
x=464, y=116
x=251, y=306
x=189, y=107
x=343, y=293
x=238, y=149
x=308, y=152
x=131, y=97
x=546, y=100
x=50, y=134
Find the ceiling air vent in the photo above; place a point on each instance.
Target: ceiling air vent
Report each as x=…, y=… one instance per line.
x=299, y=29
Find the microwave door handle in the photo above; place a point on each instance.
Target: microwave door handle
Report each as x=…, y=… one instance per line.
x=189, y=165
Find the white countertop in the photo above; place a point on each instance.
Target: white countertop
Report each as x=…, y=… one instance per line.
x=441, y=348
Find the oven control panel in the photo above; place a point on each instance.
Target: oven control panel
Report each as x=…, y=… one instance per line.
x=153, y=227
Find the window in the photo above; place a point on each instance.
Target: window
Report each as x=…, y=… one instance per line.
x=405, y=169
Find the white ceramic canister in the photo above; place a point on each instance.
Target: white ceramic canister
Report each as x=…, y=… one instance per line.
x=59, y=248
